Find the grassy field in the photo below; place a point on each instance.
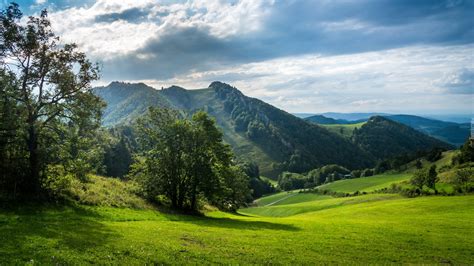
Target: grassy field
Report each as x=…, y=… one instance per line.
x=367, y=184
x=344, y=130
x=369, y=229
x=273, y=198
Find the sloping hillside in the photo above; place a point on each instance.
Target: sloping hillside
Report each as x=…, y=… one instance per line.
x=258, y=132
x=126, y=101
x=276, y=140
x=450, y=132
x=323, y=120
x=384, y=138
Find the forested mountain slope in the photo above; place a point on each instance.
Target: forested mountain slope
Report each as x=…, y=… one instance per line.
x=257, y=131
x=453, y=133
x=126, y=101
x=450, y=132
x=384, y=138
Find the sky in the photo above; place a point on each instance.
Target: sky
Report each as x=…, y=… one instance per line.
x=314, y=56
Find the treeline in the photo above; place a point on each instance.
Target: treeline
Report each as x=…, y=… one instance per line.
x=50, y=131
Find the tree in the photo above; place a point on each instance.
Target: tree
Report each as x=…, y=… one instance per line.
x=431, y=178
x=418, y=164
x=185, y=159
x=356, y=173
x=463, y=177
x=466, y=152
x=434, y=154
x=418, y=178
x=12, y=134
x=52, y=87
x=382, y=166
x=367, y=172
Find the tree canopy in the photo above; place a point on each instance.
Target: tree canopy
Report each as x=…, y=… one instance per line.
x=186, y=159
x=48, y=92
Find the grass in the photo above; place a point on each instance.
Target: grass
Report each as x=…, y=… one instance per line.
x=366, y=184
x=271, y=181
x=105, y=191
x=344, y=130
x=273, y=198
x=301, y=197
x=369, y=229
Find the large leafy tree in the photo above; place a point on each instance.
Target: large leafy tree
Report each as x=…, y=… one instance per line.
x=185, y=159
x=51, y=90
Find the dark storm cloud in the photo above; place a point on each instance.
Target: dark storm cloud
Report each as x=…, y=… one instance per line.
x=132, y=15
x=184, y=49
x=358, y=26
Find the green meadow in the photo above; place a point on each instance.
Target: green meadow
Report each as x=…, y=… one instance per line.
x=344, y=130
x=308, y=229
x=366, y=184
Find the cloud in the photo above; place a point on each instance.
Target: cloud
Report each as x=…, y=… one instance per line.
x=199, y=35
x=460, y=82
x=399, y=80
x=41, y=2
x=299, y=55
x=132, y=15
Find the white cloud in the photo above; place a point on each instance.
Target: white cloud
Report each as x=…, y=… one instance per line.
x=398, y=80
x=401, y=80
x=108, y=39
x=40, y=2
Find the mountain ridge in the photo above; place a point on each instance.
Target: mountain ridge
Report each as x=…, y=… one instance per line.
x=451, y=132
x=259, y=132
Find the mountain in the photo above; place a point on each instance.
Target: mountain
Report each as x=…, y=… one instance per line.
x=384, y=138
x=323, y=120
x=352, y=116
x=450, y=132
x=126, y=101
x=456, y=118
x=303, y=115
x=258, y=132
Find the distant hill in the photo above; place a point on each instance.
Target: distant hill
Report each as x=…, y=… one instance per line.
x=360, y=117
x=303, y=115
x=274, y=139
x=385, y=138
x=450, y=132
x=323, y=120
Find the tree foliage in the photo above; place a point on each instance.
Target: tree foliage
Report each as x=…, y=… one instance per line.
x=48, y=91
x=466, y=153
x=186, y=159
x=425, y=177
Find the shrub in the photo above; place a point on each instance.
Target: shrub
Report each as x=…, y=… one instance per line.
x=57, y=182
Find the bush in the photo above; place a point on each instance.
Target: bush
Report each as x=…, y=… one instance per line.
x=367, y=172
x=356, y=173
x=463, y=179
x=57, y=182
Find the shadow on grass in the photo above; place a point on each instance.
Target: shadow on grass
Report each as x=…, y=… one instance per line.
x=235, y=223
x=39, y=232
